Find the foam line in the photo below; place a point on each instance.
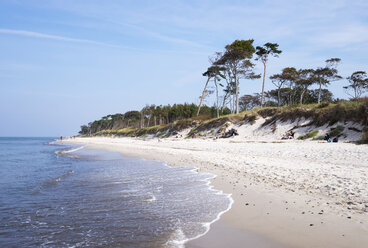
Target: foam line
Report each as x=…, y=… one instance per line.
x=207, y=225
x=69, y=151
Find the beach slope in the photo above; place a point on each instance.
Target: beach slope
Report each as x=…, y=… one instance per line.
x=286, y=194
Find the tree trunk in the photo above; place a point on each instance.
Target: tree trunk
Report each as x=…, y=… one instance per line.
x=237, y=95
x=231, y=97
x=279, y=98
x=233, y=104
x=204, y=91
x=301, y=97
x=319, y=92
x=290, y=96
x=223, y=104
x=264, y=79
x=217, y=99
x=293, y=94
x=142, y=120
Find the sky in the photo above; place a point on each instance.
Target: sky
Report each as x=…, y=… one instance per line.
x=64, y=63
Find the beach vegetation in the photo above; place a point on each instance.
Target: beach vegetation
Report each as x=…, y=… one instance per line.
x=309, y=135
x=250, y=118
x=322, y=114
x=320, y=137
x=323, y=105
x=336, y=131
x=364, y=138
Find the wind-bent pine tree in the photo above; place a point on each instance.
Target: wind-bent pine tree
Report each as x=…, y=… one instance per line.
x=305, y=80
x=212, y=72
x=327, y=74
x=228, y=90
x=358, y=83
x=288, y=74
x=236, y=61
x=216, y=82
x=268, y=49
x=204, y=91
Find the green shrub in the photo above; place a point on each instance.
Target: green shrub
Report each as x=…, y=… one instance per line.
x=323, y=105
x=250, y=118
x=312, y=134
x=319, y=138
x=365, y=135
x=308, y=135
x=337, y=131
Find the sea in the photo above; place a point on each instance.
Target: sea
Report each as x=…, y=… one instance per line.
x=59, y=195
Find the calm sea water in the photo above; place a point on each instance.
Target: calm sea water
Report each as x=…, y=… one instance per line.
x=66, y=196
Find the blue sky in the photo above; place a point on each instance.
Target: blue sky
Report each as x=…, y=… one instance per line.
x=64, y=63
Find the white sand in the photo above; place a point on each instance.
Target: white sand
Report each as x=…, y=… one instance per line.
x=294, y=194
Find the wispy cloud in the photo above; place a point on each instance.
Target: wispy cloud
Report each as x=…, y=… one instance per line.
x=344, y=37
x=170, y=39
x=53, y=37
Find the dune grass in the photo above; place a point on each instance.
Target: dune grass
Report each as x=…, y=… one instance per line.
x=318, y=114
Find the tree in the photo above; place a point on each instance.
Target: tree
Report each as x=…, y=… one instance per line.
x=132, y=115
x=327, y=74
x=84, y=130
x=358, y=83
x=204, y=91
x=305, y=79
x=248, y=101
x=288, y=74
x=281, y=95
x=263, y=53
x=236, y=61
x=311, y=96
x=229, y=91
x=212, y=72
x=216, y=79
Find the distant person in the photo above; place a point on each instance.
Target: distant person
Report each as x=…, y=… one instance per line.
x=327, y=137
x=288, y=135
x=61, y=137
x=291, y=135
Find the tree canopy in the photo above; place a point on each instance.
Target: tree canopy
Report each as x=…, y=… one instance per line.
x=236, y=61
x=358, y=84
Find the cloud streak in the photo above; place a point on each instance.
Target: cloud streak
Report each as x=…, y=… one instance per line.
x=53, y=37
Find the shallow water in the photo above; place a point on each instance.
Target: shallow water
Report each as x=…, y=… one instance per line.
x=67, y=196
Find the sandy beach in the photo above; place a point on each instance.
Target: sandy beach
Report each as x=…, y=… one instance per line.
x=286, y=194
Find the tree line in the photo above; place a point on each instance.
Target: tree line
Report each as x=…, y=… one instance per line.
x=150, y=115
x=292, y=85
